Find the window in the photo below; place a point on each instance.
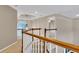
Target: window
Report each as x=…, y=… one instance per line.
x=21, y=25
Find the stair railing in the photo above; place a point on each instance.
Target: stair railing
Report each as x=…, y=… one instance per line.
x=57, y=42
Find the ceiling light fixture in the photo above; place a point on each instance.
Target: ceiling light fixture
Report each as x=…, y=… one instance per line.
x=36, y=12
x=77, y=15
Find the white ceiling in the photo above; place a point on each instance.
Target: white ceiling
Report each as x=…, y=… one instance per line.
x=43, y=10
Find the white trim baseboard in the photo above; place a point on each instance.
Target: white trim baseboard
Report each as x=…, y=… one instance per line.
x=7, y=47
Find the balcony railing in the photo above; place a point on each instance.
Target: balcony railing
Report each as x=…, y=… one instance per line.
x=40, y=47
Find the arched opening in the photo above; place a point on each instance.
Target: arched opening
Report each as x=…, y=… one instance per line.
x=21, y=25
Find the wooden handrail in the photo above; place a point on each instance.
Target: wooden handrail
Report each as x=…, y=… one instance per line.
x=57, y=42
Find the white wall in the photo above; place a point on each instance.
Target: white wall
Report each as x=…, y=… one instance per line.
x=76, y=30
x=64, y=30
x=8, y=18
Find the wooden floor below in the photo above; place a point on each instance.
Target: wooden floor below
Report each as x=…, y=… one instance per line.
x=15, y=48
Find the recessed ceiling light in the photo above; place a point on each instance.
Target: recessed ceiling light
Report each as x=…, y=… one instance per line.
x=36, y=12
x=77, y=15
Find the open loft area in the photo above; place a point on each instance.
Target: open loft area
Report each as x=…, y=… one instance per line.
x=40, y=29
x=60, y=20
